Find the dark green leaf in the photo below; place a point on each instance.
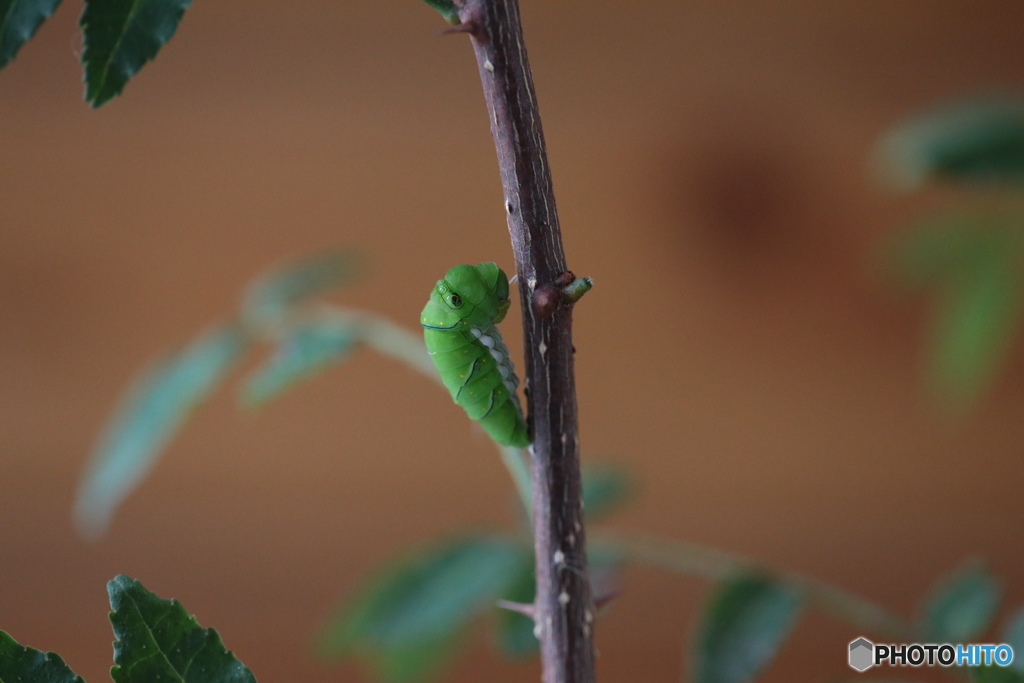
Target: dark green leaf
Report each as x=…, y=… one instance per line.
x=121, y=36
x=271, y=296
x=974, y=141
x=996, y=674
x=515, y=630
x=157, y=641
x=20, y=664
x=148, y=417
x=305, y=350
x=19, y=21
x=1013, y=635
x=420, y=605
x=604, y=489
x=447, y=9
x=744, y=625
x=960, y=606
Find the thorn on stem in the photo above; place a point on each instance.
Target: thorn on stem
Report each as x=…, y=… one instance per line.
x=523, y=608
x=603, y=599
x=464, y=27
x=471, y=17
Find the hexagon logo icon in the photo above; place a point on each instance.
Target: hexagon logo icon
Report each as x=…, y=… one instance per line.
x=862, y=653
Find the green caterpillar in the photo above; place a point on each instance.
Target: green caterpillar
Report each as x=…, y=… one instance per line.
x=459, y=327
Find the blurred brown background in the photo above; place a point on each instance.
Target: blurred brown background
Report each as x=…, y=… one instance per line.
x=737, y=352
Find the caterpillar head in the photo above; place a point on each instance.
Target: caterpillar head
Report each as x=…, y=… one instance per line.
x=468, y=296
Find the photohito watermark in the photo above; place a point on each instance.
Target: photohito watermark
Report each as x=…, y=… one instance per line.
x=864, y=654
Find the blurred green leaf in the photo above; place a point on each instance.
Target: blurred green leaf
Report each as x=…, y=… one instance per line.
x=447, y=9
x=148, y=417
x=304, y=351
x=981, y=140
x=157, y=640
x=743, y=627
x=20, y=664
x=944, y=246
x=960, y=606
x=418, y=661
x=973, y=262
x=515, y=630
x=120, y=37
x=19, y=21
x=605, y=488
x=420, y=605
x=996, y=674
x=1013, y=635
x=270, y=297
x=977, y=318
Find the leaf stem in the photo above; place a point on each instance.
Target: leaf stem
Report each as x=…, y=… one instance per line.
x=390, y=339
x=385, y=337
x=518, y=467
x=715, y=565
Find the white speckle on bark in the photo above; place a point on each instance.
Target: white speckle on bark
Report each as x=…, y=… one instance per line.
x=558, y=557
x=488, y=65
x=563, y=598
x=532, y=282
x=543, y=348
x=588, y=616
x=537, y=630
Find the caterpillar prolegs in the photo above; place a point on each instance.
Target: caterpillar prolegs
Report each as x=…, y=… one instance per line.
x=460, y=329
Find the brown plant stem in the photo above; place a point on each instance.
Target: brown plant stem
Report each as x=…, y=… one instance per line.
x=564, y=609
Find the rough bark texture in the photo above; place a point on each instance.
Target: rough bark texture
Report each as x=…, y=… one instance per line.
x=564, y=609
